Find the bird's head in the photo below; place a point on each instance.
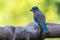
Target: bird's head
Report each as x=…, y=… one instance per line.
x=34, y=9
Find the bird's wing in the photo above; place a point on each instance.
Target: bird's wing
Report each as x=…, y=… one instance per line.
x=39, y=17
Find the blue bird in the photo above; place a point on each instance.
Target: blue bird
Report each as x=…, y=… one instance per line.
x=39, y=18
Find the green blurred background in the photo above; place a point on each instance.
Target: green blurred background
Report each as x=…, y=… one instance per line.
x=16, y=12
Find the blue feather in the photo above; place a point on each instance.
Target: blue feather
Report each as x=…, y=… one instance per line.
x=39, y=23
x=36, y=21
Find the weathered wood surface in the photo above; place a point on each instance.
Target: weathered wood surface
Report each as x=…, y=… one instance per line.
x=6, y=32
x=28, y=32
x=31, y=31
x=54, y=30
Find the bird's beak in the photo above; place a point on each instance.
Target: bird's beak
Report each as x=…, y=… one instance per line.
x=30, y=10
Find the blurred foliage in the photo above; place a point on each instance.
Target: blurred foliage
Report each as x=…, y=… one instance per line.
x=52, y=39
x=16, y=12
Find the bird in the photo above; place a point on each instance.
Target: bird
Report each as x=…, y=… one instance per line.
x=39, y=18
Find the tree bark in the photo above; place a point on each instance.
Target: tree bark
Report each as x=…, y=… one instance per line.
x=54, y=30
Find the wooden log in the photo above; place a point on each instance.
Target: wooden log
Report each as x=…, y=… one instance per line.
x=6, y=32
x=54, y=30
